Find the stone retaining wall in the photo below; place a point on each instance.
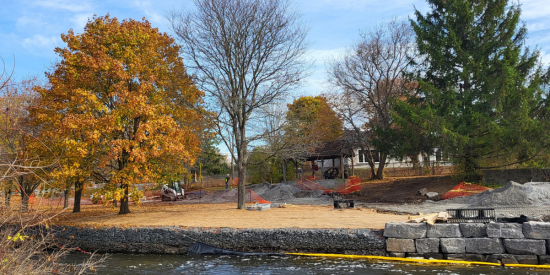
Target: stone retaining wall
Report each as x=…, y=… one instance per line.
x=507, y=243
x=176, y=240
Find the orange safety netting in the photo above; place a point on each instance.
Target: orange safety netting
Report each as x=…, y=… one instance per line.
x=464, y=189
x=257, y=198
x=307, y=184
x=352, y=184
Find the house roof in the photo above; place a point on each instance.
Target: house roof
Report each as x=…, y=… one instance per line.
x=331, y=149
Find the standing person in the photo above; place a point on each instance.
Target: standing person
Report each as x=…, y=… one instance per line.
x=227, y=178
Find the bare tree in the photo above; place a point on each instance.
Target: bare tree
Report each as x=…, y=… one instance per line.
x=246, y=54
x=369, y=76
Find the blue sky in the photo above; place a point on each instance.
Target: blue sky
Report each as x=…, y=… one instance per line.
x=31, y=29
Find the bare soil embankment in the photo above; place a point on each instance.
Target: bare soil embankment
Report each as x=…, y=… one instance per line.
x=226, y=215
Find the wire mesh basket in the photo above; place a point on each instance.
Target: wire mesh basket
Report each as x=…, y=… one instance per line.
x=466, y=215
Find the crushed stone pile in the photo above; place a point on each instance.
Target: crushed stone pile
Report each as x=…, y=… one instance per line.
x=512, y=200
x=512, y=194
x=284, y=192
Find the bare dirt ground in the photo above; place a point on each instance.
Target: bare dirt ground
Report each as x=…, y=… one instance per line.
x=226, y=215
x=404, y=190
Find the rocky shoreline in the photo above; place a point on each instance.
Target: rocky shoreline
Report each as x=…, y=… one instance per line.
x=505, y=243
x=176, y=240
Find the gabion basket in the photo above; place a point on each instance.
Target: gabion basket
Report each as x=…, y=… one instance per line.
x=471, y=215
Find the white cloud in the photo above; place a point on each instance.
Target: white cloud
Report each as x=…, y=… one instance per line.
x=40, y=44
x=70, y=5
x=545, y=57
x=323, y=55
x=80, y=20
x=539, y=26
x=355, y=5
x=533, y=9
x=150, y=15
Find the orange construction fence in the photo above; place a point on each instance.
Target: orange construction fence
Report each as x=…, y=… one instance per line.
x=464, y=189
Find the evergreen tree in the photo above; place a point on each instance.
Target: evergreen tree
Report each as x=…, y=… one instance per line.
x=481, y=91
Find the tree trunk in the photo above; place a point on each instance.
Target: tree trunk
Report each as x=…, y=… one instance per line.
x=284, y=170
x=8, y=197
x=381, y=165
x=124, y=208
x=66, y=194
x=241, y=170
x=78, y=185
x=24, y=202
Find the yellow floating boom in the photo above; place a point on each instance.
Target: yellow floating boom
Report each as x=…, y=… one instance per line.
x=415, y=260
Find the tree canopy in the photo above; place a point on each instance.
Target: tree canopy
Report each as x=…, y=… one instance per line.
x=482, y=89
x=121, y=99
x=313, y=119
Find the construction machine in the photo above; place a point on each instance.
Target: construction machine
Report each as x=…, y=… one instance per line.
x=171, y=192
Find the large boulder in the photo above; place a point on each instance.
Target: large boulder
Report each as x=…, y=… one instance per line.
x=428, y=245
x=400, y=245
x=444, y=230
x=536, y=230
x=525, y=247
x=505, y=230
x=405, y=230
x=473, y=230
x=484, y=246
x=453, y=245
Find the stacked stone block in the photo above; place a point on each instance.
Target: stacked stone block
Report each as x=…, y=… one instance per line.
x=507, y=243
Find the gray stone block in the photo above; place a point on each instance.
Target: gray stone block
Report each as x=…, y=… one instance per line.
x=505, y=230
x=428, y=245
x=525, y=246
x=502, y=258
x=467, y=257
x=400, y=245
x=527, y=259
x=449, y=230
x=473, y=230
x=544, y=259
x=453, y=245
x=536, y=230
x=484, y=246
x=405, y=230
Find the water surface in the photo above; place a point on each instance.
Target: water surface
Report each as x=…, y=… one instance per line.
x=181, y=264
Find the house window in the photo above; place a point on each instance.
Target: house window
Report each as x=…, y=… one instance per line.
x=364, y=153
x=362, y=157
x=438, y=155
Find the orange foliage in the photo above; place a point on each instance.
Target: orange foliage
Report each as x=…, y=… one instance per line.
x=313, y=118
x=121, y=105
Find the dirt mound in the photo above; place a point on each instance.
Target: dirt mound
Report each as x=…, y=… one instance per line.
x=512, y=194
x=221, y=196
x=280, y=192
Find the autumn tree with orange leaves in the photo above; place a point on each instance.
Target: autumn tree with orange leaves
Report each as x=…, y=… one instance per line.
x=121, y=106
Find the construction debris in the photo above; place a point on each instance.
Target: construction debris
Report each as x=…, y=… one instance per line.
x=429, y=218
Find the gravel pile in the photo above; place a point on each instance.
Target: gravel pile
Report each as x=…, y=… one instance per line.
x=512, y=194
x=275, y=193
x=513, y=199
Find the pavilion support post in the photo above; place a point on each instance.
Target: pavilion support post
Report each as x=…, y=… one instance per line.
x=342, y=165
x=352, y=166
x=322, y=169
